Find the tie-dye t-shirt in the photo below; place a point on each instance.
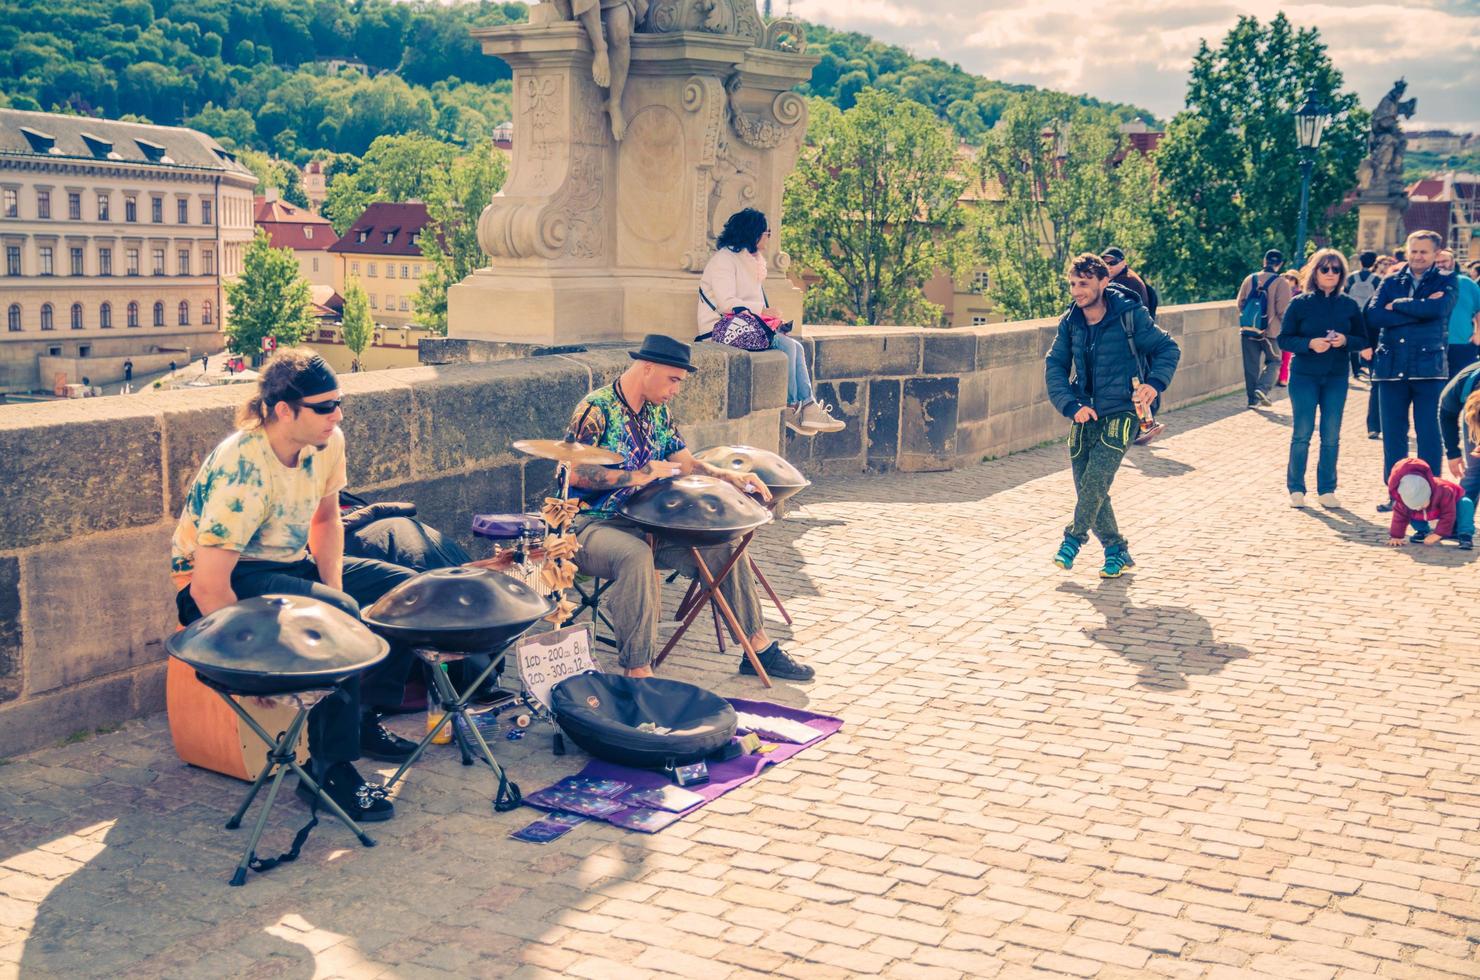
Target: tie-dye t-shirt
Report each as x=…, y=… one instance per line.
x=603, y=419
x=245, y=500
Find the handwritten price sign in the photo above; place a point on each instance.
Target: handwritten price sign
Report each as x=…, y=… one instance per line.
x=549, y=658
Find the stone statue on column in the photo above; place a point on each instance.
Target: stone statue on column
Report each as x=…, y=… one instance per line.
x=1382, y=195
x=612, y=51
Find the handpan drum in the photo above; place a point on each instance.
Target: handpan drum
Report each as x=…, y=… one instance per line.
x=694, y=510
x=457, y=610
x=277, y=644
x=774, y=470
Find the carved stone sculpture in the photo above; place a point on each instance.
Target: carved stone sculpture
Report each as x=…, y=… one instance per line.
x=613, y=49
x=1382, y=172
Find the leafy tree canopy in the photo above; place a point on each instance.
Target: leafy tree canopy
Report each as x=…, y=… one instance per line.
x=269, y=299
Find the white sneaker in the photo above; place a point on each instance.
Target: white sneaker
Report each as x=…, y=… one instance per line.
x=1329, y=501
x=816, y=417
x=1262, y=398
x=1297, y=499
x=793, y=419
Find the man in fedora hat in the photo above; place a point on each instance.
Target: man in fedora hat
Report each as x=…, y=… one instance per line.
x=630, y=417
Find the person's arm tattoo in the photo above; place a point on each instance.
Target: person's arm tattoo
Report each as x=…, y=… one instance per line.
x=589, y=476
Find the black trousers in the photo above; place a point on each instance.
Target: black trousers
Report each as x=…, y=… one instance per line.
x=334, y=723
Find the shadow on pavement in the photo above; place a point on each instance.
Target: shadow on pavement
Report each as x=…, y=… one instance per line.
x=1168, y=643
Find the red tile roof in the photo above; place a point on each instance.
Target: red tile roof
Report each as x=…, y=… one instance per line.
x=1427, y=216
x=292, y=227
x=385, y=228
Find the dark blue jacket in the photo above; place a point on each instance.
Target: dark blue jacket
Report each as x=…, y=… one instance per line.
x=1413, y=335
x=1311, y=316
x=1092, y=365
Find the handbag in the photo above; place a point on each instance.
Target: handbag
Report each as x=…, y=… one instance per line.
x=742, y=328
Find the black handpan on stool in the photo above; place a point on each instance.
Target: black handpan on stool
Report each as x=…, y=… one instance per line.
x=447, y=614
x=774, y=470
x=277, y=646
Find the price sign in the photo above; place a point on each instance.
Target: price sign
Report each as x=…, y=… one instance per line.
x=549, y=658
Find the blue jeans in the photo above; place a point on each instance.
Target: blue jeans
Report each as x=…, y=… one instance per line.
x=1464, y=520
x=798, y=381
x=1394, y=403
x=1309, y=392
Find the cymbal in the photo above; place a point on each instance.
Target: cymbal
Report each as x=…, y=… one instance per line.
x=567, y=451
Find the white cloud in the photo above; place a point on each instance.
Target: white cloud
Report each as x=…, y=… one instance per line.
x=1142, y=50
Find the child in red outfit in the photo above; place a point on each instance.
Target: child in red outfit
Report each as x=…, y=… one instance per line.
x=1427, y=502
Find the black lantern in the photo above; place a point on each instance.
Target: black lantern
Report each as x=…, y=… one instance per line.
x=1310, y=121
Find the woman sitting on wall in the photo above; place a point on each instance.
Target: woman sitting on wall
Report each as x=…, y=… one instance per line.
x=732, y=303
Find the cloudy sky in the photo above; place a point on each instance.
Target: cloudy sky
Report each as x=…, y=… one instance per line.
x=1143, y=52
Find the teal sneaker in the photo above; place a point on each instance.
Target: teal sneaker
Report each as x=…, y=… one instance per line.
x=1068, y=551
x=1118, y=561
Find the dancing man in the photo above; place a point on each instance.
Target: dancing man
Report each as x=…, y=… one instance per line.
x=1094, y=381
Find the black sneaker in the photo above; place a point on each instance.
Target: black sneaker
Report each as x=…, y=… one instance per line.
x=364, y=802
x=378, y=743
x=1385, y=507
x=779, y=664
x=1466, y=541
x=1417, y=536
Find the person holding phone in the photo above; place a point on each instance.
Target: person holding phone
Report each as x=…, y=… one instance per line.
x=630, y=417
x=1322, y=326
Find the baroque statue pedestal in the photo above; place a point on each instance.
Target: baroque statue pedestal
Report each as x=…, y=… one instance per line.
x=593, y=239
x=1380, y=224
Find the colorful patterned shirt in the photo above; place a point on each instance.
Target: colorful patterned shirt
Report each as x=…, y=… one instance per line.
x=602, y=419
x=245, y=500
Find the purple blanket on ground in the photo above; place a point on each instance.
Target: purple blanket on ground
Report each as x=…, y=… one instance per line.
x=725, y=776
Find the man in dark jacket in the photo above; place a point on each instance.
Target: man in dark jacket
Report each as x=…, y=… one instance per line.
x=1459, y=437
x=1121, y=274
x=1410, y=312
x=1094, y=381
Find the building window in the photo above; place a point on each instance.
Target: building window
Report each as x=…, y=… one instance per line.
x=978, y=321
x=363, y=237
x=415, y=239
x=105, y=261
x=47, y=265
x=205, y=212
x=132, y=258
x=43, y=204
x=184, y=257
x=354, y=268
x=372, y=302
x=308, y=233
x=74, y=206
x=156, y=210
x=133, y=314
x=205, y=313
x=208, y=262
x=370, y=269
x=46, y=321
x=416, y=271
x=76, y=316
x=158, y=313
x=158, y=256
x=12, y=207
x=390, y=237
x=316, y=263
x=102, y=207
x=12, y=260
x=182, y=212
x=105, y=316
x=130, y=208
x=981, y=281
x=405, y=272
x=13, y=318
x=184, y=313
x=76, y=255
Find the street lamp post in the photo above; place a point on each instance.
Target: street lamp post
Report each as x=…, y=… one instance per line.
x=1310, y=120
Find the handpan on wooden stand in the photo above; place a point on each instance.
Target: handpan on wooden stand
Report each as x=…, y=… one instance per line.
x=780, y=477
x=697, y=512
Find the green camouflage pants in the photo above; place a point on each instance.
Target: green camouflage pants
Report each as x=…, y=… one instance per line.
x=1096, y=448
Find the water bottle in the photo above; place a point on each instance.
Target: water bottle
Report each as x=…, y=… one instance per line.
x=435, y=712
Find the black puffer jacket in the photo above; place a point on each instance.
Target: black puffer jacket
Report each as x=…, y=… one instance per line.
x=1092, y=365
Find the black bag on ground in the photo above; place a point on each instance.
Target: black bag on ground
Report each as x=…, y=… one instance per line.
x=602, y=713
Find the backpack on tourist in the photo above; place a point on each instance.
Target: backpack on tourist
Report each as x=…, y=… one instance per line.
x=1253, y=316
x=1362, y=286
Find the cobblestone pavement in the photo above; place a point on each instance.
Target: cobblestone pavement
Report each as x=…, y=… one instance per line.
x=1255, y=757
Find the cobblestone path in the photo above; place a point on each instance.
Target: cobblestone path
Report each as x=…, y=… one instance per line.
x=1257, y=756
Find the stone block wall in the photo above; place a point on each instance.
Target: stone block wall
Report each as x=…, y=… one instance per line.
x=93, y=487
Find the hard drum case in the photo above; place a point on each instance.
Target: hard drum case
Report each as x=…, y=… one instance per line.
x=601, y=713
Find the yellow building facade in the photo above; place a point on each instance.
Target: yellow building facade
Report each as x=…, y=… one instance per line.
x=382, y=249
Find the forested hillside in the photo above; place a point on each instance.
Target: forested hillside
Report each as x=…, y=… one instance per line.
x=266, y=74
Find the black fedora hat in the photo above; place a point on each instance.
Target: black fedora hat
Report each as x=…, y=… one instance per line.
x=661, y=349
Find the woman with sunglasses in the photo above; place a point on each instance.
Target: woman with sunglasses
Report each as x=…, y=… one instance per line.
x=1321, y=326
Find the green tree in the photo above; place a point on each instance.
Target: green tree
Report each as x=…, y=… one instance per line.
x=872, y=210
x=356, y=328
x=279, y=175
x=269, y=299
x=449, y=242
x=1058, y=191
x=1229, y=184
x=396, y=168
